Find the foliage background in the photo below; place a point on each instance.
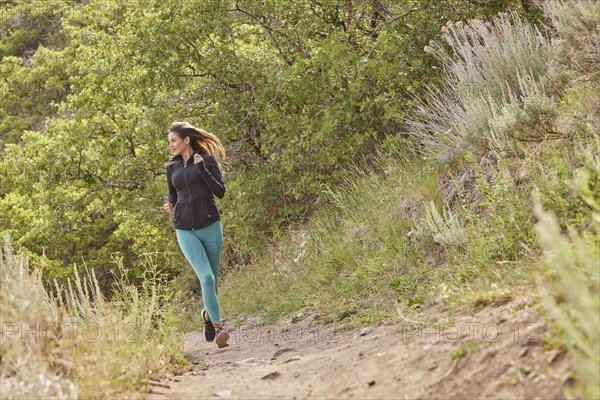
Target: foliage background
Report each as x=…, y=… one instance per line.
x=296, y=90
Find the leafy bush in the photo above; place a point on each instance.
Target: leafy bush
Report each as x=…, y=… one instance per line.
x=296, y=91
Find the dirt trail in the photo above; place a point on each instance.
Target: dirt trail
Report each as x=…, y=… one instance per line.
x=501, y=347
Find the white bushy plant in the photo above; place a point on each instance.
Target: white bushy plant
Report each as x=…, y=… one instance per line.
x=496, y=74
x=445, y=227
x=577, y=27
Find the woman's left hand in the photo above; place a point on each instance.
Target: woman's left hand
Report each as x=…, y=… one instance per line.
x=198, y=158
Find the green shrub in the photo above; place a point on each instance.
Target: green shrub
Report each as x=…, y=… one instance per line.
x=502, y=222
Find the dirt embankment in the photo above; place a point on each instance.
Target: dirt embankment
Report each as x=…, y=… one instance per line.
x=497, y=352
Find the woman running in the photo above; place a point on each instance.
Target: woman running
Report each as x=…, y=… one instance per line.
x=194, y=178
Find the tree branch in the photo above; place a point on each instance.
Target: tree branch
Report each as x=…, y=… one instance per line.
x=271, y=32
x=406, y=14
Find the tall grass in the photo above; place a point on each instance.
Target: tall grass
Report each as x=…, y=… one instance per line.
x=572, y=295
x=30, y=367
x=381, y=246
x=342, y=262
x=73, y=343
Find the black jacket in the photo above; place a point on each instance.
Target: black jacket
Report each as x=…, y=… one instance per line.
x=191, y=189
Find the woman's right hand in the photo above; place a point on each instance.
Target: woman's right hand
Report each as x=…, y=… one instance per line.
x=168, y=207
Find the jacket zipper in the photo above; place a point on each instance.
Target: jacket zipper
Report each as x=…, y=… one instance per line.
x=189, y=194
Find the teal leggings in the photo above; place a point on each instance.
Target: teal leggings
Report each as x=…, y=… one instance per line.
x=202, y=248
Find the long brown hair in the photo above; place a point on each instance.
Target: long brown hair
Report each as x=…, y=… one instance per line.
x=200, y=139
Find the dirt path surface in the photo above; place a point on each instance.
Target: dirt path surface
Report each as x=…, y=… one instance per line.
x=495, y=353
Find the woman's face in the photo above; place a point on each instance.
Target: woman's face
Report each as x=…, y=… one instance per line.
x=177, y=145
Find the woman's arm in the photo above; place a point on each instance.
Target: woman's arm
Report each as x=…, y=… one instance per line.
x=172, y=191
x=210, y=172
